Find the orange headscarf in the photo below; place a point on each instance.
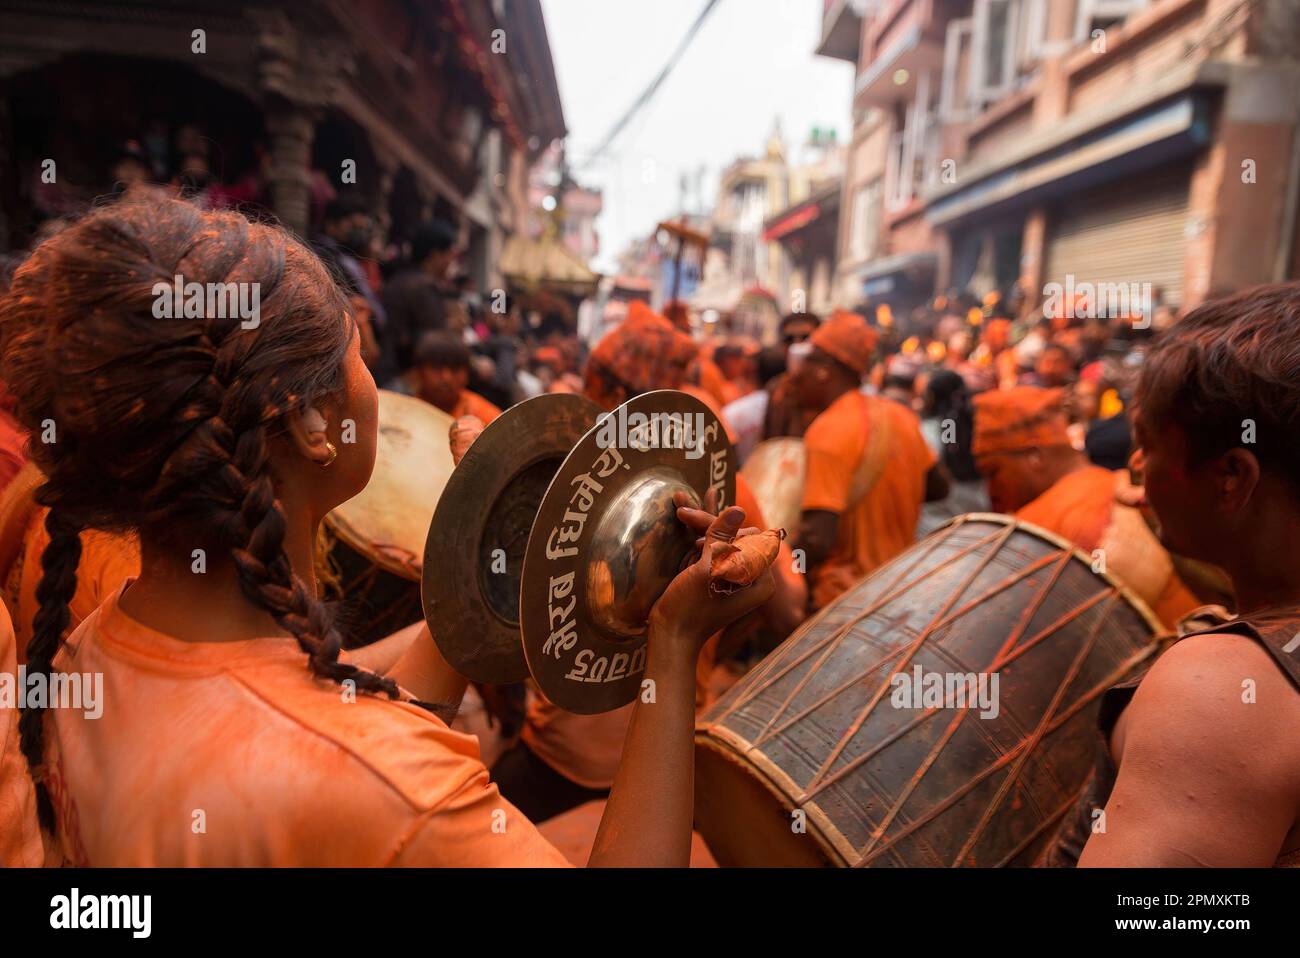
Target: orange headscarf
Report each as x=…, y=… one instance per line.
x=643, y=352
x=846, y=337
x=1012, y=420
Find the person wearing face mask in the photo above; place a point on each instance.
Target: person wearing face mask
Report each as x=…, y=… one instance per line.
x=345, y=238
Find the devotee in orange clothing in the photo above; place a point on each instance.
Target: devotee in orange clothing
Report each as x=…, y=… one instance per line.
x=441, y=376
x=869, y=470
x=20, y=836
x=1022, y=446
x=703, y=372
x=232, y=732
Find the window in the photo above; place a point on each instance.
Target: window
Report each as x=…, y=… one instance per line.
x=865, y=225
x=1006, y=39
x=993, y=59
x=954, y=95
x=912, y=160
x=1093, y=15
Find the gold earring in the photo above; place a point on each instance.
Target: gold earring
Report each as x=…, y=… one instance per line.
x=334, y=453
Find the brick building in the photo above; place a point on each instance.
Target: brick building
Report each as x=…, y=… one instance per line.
x=1118, y=141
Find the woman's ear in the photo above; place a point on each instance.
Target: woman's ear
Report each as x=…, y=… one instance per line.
x=308, y=429
x=1237, y=477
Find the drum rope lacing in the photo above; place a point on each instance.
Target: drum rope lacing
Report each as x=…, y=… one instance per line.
x=775, y=670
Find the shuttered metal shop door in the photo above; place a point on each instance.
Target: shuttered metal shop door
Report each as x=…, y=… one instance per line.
x=1130, y=231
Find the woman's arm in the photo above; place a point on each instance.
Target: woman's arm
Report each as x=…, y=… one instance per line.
x=423, y=671
x=382, y=654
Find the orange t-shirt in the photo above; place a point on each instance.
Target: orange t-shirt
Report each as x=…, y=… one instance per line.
x=472, y=404
x=233, y=754
x=1077, y=507
x=882, y=523
x=586, y=749
x=1080, y=507
x=20, y=835
x=107, y=561
x=13, y=451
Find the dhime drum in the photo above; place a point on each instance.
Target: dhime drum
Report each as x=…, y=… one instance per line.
x=775, y=472
x=941, y=713
x=372, y=545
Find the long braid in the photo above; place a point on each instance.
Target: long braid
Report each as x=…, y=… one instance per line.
x=168, y=432
x=54, y=593
x=268, y=581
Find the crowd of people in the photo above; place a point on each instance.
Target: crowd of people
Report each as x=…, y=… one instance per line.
x=131, y=445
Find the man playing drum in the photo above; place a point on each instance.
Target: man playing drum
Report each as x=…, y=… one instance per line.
x=1203, y=766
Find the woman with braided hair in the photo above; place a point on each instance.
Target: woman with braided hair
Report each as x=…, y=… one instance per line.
x=232, y=732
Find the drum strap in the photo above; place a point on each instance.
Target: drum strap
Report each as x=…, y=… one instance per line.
x=1274, y=629
x=875, y=456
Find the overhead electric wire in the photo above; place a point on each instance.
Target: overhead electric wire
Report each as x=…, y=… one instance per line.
x=650, y=91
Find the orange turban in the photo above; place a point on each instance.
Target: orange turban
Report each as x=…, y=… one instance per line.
x=846, y=337
x=1012, y=420
x=642, y=353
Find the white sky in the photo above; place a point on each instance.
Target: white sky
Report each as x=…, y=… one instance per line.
x=751, y=63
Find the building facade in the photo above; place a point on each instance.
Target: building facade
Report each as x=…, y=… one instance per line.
x=436, y=108
x=1142, y=144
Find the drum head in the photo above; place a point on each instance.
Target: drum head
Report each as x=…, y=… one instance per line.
x=474, y=552
x=607, y=542
x=775, y=471
x=386, y=522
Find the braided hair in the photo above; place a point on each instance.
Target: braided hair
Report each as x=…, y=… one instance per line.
x=162, y=425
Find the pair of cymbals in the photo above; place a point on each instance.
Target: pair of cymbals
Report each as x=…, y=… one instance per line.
x=557, y=533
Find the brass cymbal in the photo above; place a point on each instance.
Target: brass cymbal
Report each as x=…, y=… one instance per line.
x=607, y=541
x=474, y=552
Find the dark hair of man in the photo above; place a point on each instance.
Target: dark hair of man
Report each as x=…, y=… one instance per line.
x=432, y=236
x=790, y=319
x=347, y=204
x=442, y=350
x=1228, y=364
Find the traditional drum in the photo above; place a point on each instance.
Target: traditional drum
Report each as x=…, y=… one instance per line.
x=775, y=473
x=941, y=713
x=373, y=543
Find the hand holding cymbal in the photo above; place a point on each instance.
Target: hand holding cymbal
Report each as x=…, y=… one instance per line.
x=690, y=605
